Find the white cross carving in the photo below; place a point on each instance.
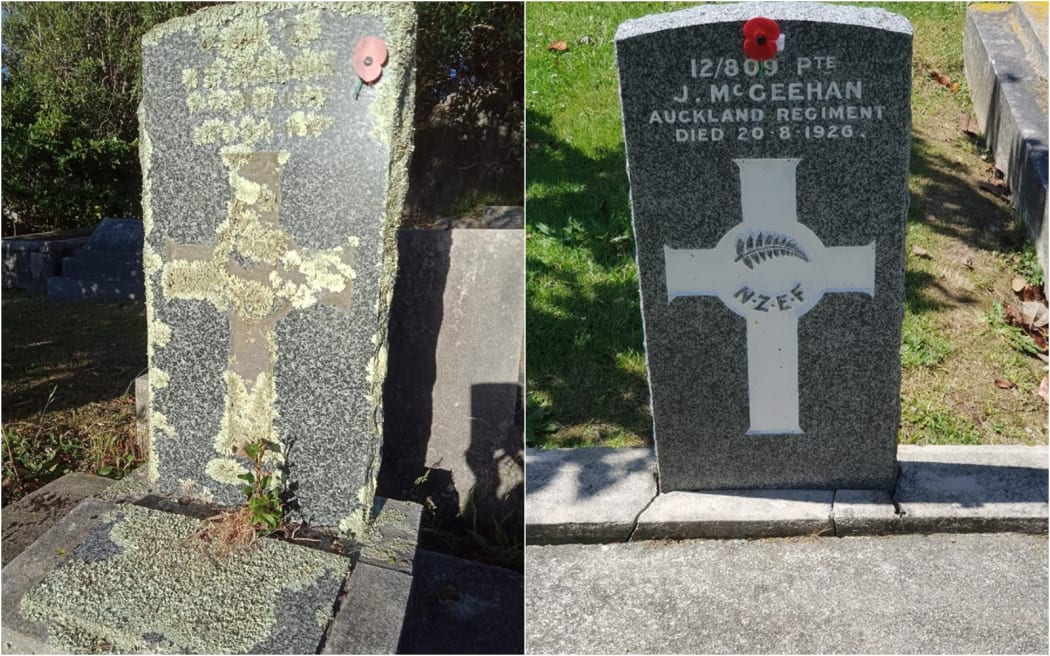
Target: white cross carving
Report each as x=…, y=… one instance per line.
x=770, y=269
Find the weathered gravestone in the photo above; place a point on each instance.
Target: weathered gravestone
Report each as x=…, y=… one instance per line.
x=769, y=201
x=108, y=268
x=275, y=141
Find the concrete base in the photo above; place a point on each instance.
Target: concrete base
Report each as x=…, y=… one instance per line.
x=609, y=495
x=1004, y=53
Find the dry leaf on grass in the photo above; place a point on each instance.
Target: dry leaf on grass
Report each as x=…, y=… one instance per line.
x=558, y=46
x=998, y=189
x=1005, y=384
x=919, y=251
x=941, y=78
x=1018, y=284
x=1044, y=388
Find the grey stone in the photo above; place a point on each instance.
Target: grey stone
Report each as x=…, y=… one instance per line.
x=973, y=488
x=457, y=328
x=372, y=614
x=26, y=570
x=938, y=594
x=1009, y=99
x=460, y=606
x=272, y=190
x=142, y=413
x=726, y=327
x=865, y=512
x=503, y=216
x=107, y=269
x=134, y=578
x=586, y=495
x=28, y=261
x=736, y=514
x=33, y=515
x=392, y=535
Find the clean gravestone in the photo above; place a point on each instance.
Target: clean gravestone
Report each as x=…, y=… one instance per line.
x=769, y=201
x=275, y=141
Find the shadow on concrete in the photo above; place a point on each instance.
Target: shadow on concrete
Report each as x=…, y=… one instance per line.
x=593, y=472
x=969, y=485
x=458, y=606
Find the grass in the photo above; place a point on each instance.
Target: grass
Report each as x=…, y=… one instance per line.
x=68, y=393
x=586, y=364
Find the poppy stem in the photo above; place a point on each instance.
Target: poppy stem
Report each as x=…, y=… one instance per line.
x=357, y=89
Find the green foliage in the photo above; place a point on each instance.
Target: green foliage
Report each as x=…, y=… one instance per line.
x=1018, y=339
x=1028, y=265
x=71, y=86
x=921, y=344
x=928, y=422
x=262, y=490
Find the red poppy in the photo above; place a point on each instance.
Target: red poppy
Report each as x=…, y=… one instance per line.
x=369, y=58
x=760, y=38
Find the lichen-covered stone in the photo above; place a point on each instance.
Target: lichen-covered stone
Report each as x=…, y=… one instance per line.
x=144, y=581
x=271, y=196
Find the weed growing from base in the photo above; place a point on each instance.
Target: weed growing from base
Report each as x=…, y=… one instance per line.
x=261, y=514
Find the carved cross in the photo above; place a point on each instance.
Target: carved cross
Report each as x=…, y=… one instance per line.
x=771, y=270
x=256, y=273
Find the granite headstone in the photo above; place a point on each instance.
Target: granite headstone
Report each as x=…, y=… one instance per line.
x=768, y=201
x=275, y=142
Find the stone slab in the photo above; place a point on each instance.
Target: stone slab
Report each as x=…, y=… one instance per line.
x=271, y=197
x=28, y=262
x=1009, y=100
x=457, y=329
x=461, y=606
x=102, y=268
x=393, y=535
x=915, y=594
x=117, y=236
x=586, y=495
x=135, y=579
x=778, y=372
x=372, y=613
x=69, y=290
x=26, y=570
x=736, y=514
x=865, y=512
x=973, y=488
x=33, y=515
x=1032, y=19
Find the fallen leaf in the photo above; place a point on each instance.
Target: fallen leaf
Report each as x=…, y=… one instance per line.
x=968, y=262
x=1005, y=384
x=558, y=46
x=941, y=78
x=931, y=218
x=1034, y=314
x=1044, y=388
x=1018, y=284
x=919, y=251
x=954, y=87
x=1033, y=293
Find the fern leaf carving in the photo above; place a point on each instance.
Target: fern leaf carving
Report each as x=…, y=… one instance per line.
x=767, y=246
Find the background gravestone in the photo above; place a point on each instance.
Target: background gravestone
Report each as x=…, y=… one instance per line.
x=108, y=268
x=768, y=205
x=273, y=183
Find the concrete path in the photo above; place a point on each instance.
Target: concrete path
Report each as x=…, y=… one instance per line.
x=961, y=593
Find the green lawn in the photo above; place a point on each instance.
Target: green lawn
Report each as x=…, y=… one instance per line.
x=586, y=361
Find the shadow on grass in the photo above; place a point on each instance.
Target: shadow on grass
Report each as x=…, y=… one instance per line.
x=584, y=325
x=92, y=353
